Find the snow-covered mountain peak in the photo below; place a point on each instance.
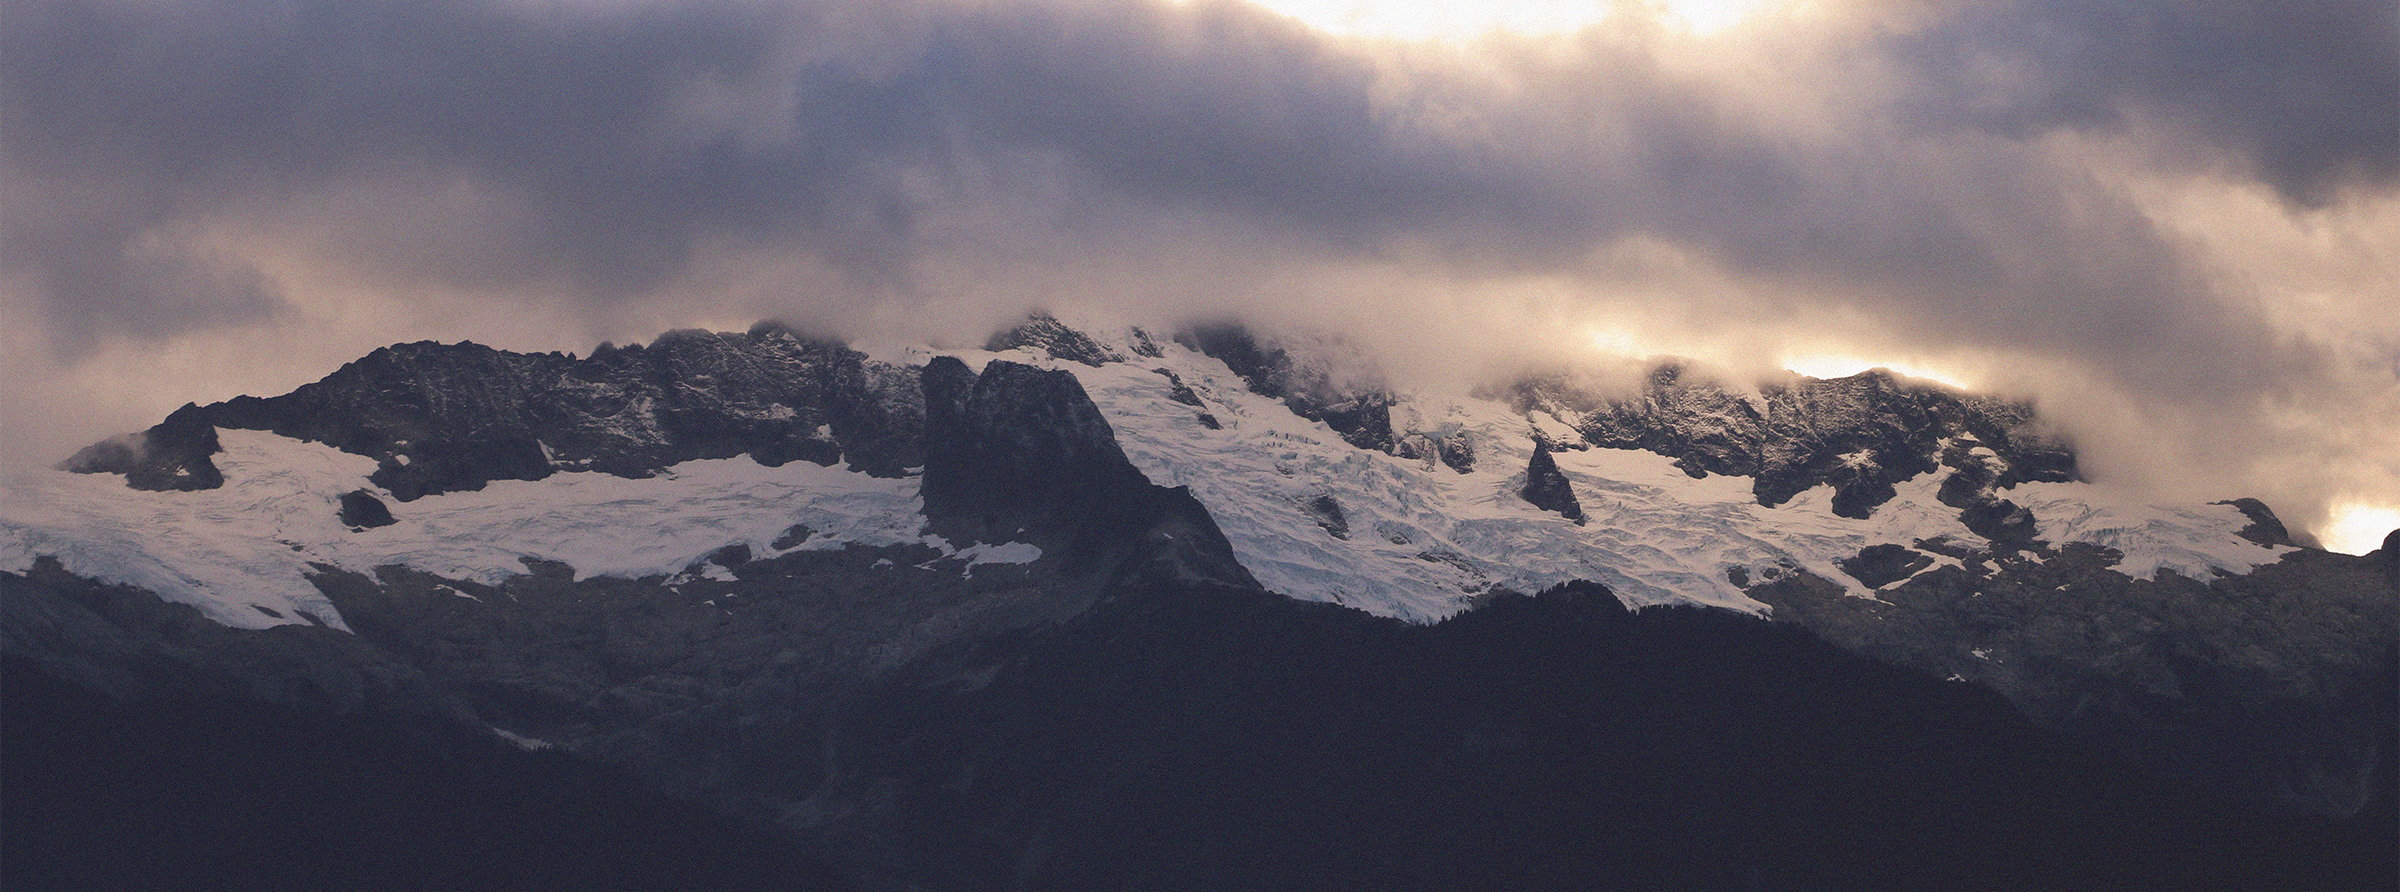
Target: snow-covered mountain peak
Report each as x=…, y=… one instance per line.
x=1325, y=483
x=1689, y=487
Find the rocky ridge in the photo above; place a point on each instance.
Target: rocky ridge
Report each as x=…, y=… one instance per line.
x=1017, y=452
x=1859, y=435
x=450, y=417
x=444, y=418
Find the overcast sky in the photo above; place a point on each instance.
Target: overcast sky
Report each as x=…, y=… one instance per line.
x=2175, y=223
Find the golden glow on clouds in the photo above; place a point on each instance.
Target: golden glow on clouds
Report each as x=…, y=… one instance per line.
x=1841, y=366
x=1620, y=342
x=1456, y=20
x=2358, y=529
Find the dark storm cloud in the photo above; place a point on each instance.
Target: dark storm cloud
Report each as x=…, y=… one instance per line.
x=2306, y=94
x=1216, y=105
x=151, y=286
x=186, y=110
x=586, y=156
x=578, y=114
x=188, y=113
x=584, y=121
x=1225, y=107
x=183, y=111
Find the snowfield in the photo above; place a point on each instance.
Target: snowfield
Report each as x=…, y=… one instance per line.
x=1423, y=540
x=1415, y=539
x=245, y=549
x=2152, y=537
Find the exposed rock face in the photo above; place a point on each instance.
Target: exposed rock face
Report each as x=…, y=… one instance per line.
x=1548, y=488
x=1880, y=565
x=2265, y=528
x=1183, y=393
x=1328, y=514
x=1013, y=438
x=1361, y=414
x=2389, y=556
x=1452, y=448
x=444, y=418
x=171, y=455
x=1859, y=434
x=1458, y=453
x=709, y=682
x=362, y=510
x=1019, y=452
x=1973, y=488
x=1045, y=334
x=1313, y=385
x=2271, y=684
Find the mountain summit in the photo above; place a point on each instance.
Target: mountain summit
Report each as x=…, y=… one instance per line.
x=896, y=602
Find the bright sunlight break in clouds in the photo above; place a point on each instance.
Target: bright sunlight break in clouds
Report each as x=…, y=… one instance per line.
x=2174, y=225
x=2358, y=529
x=1453, y=20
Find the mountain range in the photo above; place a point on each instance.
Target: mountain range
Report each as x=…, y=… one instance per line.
x=1095, y=606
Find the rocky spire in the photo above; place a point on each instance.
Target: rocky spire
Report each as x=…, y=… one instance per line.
x=1547, y=488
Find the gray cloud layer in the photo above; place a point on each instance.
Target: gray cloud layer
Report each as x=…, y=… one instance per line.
x=1978, y=180
x=2302, y=93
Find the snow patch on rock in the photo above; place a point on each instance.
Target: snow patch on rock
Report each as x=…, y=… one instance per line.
x=2194, y=541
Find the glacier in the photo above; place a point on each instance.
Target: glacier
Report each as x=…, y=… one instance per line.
x=1425, y=540
x=242, y=553
x=1419, y=539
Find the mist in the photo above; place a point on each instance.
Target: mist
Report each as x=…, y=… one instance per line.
x=2176, y=226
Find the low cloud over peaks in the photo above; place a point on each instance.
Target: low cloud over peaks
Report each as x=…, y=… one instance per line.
x=2181, y=213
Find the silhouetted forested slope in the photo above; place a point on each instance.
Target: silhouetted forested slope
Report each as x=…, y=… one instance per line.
x=220, y=794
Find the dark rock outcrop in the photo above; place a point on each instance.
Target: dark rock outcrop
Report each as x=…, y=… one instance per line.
x=1879, y=565
x=171, y=455
x=1328, y=514
x=1022, y=454
x=1179, y=391
x=444, y=418
x=1183, y=393
x=1263, y=368
x=362, y=510
x=1457, y=452
x=1453, y=448
x=2389, y=557
x=1973, y=488
x=1548, y=488
x=1017, y=444
x=2264, y=527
